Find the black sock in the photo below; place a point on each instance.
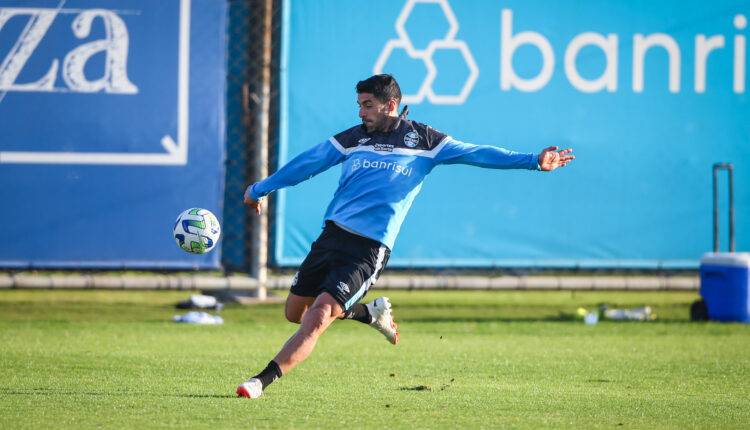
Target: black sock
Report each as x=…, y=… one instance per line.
x=359, y=313
x=271, y=373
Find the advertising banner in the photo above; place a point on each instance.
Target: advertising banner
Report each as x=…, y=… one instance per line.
x=111, y=124
x=648, y=94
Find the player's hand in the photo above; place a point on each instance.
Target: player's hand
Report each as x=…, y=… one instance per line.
x=255, y=204
x=551, y=158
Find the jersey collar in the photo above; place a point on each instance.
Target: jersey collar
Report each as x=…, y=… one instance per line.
x=394, y=126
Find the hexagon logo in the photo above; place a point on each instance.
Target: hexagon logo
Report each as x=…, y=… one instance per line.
x=448, y=40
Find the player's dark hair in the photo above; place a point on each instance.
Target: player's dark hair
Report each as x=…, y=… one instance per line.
x=384, y=87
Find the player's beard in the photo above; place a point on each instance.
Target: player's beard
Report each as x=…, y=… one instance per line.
x=367, y=126
x=378, y=124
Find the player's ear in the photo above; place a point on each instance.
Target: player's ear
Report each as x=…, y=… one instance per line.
x=392, y=106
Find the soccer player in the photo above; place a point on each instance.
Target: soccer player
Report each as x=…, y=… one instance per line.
x=384, y=161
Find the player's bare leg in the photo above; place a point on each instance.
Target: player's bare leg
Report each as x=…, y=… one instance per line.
x=296, y=306
x=377, y=314
x=316, y=319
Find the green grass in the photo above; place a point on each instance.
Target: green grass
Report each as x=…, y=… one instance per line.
x=113, y=359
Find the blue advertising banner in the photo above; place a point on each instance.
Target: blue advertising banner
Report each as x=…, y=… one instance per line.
x=648, y=94
x=111, y=124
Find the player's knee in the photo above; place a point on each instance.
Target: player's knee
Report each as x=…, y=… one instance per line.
x=294, y=309
x=293, y=316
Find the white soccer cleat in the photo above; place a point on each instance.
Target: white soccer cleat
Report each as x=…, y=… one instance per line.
x=252, y=389
x=382, y=319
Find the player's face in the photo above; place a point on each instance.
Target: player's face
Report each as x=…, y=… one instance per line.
x=373, y=113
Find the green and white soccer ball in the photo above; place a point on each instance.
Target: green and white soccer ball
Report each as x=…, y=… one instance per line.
x=197, y=230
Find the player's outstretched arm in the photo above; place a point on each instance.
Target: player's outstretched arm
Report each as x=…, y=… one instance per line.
x=453, y=151
x=302, y=167
x=551, y=158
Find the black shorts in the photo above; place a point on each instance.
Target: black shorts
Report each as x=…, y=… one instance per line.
x=342, y=264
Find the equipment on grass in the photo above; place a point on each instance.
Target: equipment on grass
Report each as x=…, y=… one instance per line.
x=725, y=289
x=195, y=317
x=200, y=301
x=197, y=230
x=725, y=285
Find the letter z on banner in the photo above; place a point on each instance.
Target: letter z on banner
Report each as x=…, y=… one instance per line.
x=76, y=89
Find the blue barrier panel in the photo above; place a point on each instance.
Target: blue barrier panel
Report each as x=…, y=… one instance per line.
x=112, y=119
x=648, y=94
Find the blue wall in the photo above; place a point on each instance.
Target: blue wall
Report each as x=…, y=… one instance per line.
x=111, y=126
x=639, y=194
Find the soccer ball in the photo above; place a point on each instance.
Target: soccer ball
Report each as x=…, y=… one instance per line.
x=197, y=230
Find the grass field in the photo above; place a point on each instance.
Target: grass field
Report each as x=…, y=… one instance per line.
x=113, y=359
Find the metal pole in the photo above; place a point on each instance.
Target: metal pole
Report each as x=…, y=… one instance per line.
x=730, y=171
x=259, y=245
x=716, y=207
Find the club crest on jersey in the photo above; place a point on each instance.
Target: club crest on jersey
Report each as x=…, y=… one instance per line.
x=411, y=139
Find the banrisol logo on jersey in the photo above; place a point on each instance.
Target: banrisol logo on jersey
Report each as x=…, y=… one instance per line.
x=363, y=163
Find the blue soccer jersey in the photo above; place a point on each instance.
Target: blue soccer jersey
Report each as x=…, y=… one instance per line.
x=382, y=172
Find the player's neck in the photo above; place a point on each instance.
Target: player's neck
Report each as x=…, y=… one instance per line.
x=389, y=124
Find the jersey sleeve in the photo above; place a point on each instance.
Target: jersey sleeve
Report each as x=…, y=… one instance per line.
x=315, y=160
x=453, y=151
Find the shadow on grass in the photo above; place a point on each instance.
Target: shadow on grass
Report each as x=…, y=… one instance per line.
x=460, y=319
x=53, y=392
x=204, y=396
x=417, y=388
x=562, y=318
